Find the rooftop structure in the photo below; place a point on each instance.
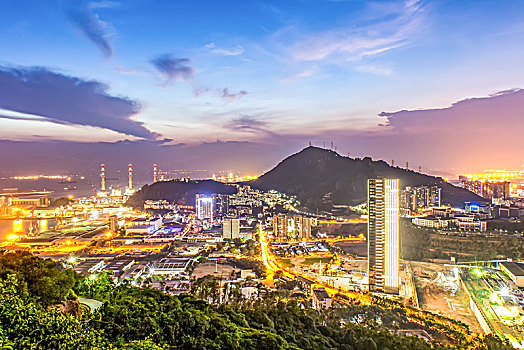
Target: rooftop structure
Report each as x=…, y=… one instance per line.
x=321, y=299
x=515, y=271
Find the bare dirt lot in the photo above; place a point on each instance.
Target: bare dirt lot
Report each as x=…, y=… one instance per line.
x=437, y=293
x=358, y=248
x=209, y=268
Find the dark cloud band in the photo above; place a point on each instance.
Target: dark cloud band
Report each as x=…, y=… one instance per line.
x=63, y=99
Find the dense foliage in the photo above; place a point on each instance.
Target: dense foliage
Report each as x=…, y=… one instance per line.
x=26, y=324
x=39, y=279
x=516, y=226
x=134, y=318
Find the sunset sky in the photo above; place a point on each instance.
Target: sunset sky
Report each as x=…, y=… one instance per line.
x=435, y=83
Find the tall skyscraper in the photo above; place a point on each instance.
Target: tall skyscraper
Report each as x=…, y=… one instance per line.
x=204, y=207
x=383, y=235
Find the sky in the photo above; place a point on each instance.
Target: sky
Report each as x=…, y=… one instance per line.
x=435, y=83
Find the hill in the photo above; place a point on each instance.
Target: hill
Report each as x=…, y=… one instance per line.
x=320, y=178
x=181, y=192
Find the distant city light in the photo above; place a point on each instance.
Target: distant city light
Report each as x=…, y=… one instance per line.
x=36, y=177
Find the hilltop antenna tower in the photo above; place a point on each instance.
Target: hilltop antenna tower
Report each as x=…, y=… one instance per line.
x=130, y=176
x=103, y=177
x=392, y=162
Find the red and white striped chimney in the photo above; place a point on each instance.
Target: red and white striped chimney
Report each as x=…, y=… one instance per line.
x=103, y=177
x=130, y=176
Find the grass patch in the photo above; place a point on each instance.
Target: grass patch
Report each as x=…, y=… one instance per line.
x=285, y=262
x=312, y=261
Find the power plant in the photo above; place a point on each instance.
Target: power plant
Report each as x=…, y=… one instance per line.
x=104, y=190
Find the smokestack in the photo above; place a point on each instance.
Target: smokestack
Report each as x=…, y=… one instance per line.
x=103, y=177
x=154, y=173
x=130, y=176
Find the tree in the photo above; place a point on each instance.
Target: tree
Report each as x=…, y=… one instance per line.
x=207, y=288
x=96, y=285
x=28, y=325
x=40, y=279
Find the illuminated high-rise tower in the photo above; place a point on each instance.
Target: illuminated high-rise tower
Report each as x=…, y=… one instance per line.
x=204, y=207
x=383, y=235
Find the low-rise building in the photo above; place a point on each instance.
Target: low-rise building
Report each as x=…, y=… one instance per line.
x=170, y=266
x=515, y=271
x=321, y=299
x=462, y=222
x=144, y=226
x=431, y=221
x=89, y=266
x=504, y=211
x=470, y=223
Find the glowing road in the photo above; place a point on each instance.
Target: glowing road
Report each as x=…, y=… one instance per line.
x=272, y=266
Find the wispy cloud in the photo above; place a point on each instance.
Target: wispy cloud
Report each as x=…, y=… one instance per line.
x=102, y=4
x=303, y=74
x=173, y=69
x=229, y=96
x=83, y=17
x=375, y=69
x=179, y=69
x=352, y=44
x=232, y=51
x=249, y=124
x=39, y=94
